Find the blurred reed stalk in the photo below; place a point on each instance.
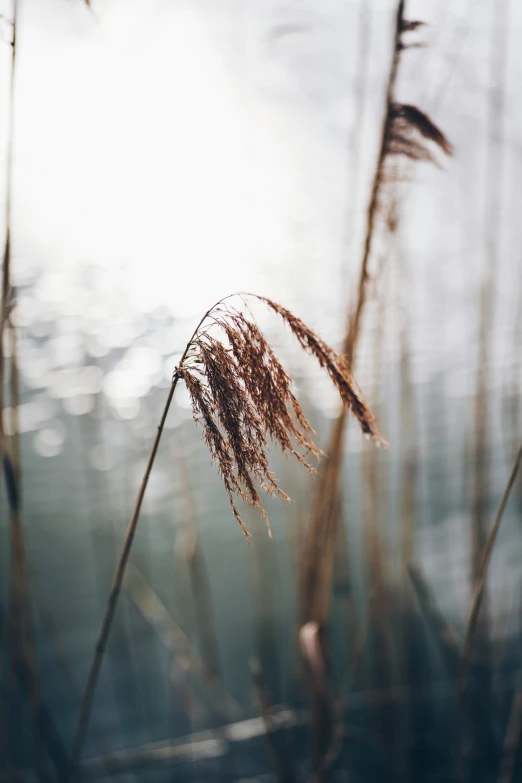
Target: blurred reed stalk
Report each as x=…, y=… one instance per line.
x=517, y=391
x=478, y=713
x=383, y=669
x=189, y=671
x=20, y=626
x=479, y=626
x=410, y=664
x=409, y=453
x=356, y=135
x=445, y=636
x=6, y=292
x=222, y=706
x=324, y=721
x=324, y=523
x=241, y=394
x=51, y=630
x=202, y=598
x=377, y=599
x=406, y=134
x=102, y=528
x=101, y=643
x=342, y=588
x=513, y=738
x=512, y=410
x=481, y=579
x=492, y=222
x=266, y=601
x=280, y=758
x=54, y=764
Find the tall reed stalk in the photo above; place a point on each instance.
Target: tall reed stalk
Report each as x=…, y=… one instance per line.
x=20, y=626
x=479, y=591
x=241, y=395
x=356, y=134
x=202, y=597
x=406, y=133
x=493, y=198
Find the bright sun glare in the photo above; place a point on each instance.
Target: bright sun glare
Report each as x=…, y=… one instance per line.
x=140, y=158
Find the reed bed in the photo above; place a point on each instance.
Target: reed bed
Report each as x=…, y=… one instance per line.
x=360, y=673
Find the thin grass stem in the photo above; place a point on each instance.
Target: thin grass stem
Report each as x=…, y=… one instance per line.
x=481, y=580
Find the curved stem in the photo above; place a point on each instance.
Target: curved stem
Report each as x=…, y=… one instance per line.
x=105, y=627
x=481, y=579
x=108, y=617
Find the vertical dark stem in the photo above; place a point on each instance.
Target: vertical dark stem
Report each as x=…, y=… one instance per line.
x=6, y=265
x=20, y=626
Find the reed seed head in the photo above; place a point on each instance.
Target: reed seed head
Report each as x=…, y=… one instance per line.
x=242, y=396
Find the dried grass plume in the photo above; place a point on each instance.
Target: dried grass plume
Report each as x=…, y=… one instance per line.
x=242, y=396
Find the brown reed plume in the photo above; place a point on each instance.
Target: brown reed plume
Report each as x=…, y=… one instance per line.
x=242, y=396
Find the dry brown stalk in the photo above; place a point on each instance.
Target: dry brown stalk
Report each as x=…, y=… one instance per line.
x=241, y=395
x=356, y=135
x=372, y=505
x=407, y=133
x=324, y=720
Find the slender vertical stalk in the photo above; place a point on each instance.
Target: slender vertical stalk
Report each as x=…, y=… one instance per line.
x=357, y=131
x=372, y=513
x=322, y=532
x=102, y=527
x=379, y=607
x=480, y=582
x=409, y=450
x=108, y=617
x=512, y=738
x=105, y=627
x=6, y=263
x=21, y=624
x=493, y=195
x=322, y=529
x=280, y=759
